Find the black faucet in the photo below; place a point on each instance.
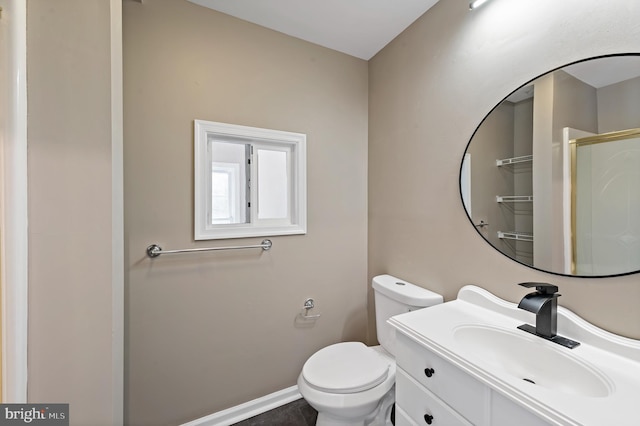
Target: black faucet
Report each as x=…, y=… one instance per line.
x=544, y=303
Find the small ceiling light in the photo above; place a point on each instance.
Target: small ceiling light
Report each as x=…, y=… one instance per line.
x=476, y=4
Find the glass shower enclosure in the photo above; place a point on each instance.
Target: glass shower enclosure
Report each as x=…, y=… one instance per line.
x=605, y=203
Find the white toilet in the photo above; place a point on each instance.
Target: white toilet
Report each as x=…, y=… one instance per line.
x=351, y=384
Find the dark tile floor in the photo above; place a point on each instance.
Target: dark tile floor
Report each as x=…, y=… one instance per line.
x=296, y=413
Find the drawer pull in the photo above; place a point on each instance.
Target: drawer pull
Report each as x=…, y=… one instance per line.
x=429, y=372
x=428, y=418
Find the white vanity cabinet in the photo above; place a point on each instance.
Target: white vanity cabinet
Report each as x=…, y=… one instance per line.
x=432, y=391
x=422, y=406
x=466, y=362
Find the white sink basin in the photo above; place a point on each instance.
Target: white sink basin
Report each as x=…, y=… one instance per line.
x=595, y=383
x=532, y=359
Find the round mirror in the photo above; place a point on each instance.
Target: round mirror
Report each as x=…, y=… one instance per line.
x=551, y=176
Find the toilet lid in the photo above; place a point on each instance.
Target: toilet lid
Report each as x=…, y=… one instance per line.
x=345, y=368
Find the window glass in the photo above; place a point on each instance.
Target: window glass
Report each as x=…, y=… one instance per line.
x=228, y=174
x=273, y=184
x=226, y=204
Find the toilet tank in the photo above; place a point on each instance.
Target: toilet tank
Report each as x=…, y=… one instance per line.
x=394, y=296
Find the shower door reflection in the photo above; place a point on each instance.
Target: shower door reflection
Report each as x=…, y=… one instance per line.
x=606, y=203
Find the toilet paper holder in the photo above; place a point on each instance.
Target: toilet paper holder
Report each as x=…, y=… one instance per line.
x=308, y=305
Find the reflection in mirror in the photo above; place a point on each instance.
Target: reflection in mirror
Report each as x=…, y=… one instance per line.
x=552, y=174
x=605, y=203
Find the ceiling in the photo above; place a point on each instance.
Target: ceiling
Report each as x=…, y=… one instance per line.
x=359, y=28
x=596, y=73
x=606, y=71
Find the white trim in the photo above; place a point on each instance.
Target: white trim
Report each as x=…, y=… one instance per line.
x=465, y=183
x=117, y=216
x=14, y=207
x=248, y=409
x=566, y=200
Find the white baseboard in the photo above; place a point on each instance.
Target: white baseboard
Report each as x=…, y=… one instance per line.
x=248, y=409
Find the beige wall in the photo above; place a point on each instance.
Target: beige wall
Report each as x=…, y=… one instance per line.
x=70, y=200
x=574, y=106
x=523, y=176
x=542, y=178
x=493, y=140
x=209, y=331
x=429, y=89
x=619, y=106
x=561, y=100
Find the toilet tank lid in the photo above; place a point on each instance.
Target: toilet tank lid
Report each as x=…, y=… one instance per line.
x=405, y=292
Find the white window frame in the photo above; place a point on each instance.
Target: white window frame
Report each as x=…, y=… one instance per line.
x=258, y=138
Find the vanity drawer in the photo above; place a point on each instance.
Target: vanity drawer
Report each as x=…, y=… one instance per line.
x=423, y=407
x=457, y=389
x=402, y=418
x=503, y=411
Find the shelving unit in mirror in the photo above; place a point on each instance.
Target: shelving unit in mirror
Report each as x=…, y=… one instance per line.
x=521, y=217
x=515, y=235
x=514, y=160
x=514, y=198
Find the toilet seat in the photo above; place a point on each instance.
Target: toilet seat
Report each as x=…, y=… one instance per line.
x=343, y=368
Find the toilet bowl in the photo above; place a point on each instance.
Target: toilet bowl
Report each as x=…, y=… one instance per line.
x=344, y=397
x=351, y=384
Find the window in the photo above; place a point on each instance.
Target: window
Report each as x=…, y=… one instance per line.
x=249, y=182
x=226, y=202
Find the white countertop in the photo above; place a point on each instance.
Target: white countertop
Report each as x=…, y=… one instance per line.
x=612, y=359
